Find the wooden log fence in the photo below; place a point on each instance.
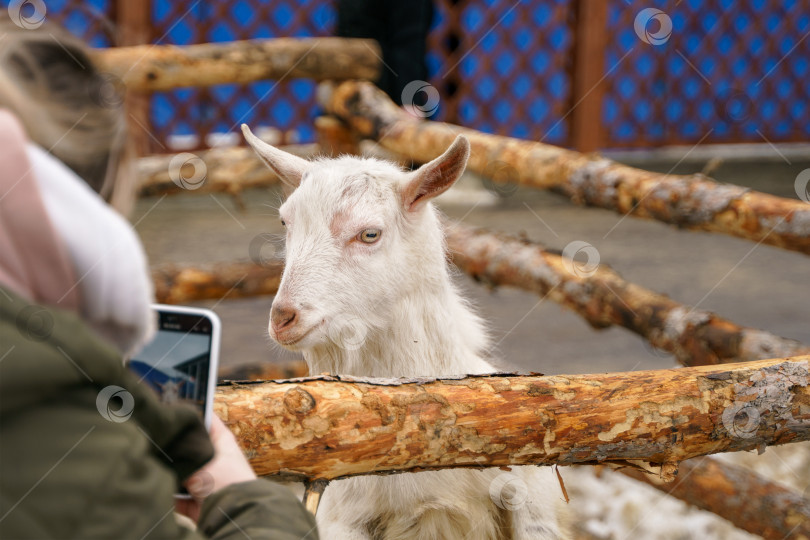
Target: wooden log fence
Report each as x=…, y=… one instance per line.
x=163, y=67
x=766, y=509
x=223, y=170
x=331, y=427
x=693, y=202
x=263, y=371
x=328, y=427
x=741, y=496
x=750, y=501
x=176, y=284
x=598, y=294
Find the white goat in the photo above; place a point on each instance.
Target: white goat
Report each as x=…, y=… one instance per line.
x=367, y=291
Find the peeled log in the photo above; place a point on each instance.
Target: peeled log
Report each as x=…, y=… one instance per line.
x=182, y=284
x=603, y=298
x=694, y=202
x=163, y=67
x=751, y=502
x=334, y=138
x=263, y=371
x=331, y=427
x=229, y=170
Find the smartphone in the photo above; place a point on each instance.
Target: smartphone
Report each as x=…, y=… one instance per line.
x=180, y=363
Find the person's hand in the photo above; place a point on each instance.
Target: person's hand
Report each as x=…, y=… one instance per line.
x=229, y=466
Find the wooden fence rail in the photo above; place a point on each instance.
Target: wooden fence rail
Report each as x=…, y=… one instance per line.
x=176, y=284
x=229, y=170
x=693, y=202
x=598, y=295
x=163, y=67
x=330, y=427
x=746, y=499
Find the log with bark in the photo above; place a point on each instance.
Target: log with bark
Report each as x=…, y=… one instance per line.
x=163, y=67
x=263, y=371
x=693, y=202
x=224, y=170
x=334, y=138
x=746, y=499
x=180, y=284
x=600, y=296
x=330, y=427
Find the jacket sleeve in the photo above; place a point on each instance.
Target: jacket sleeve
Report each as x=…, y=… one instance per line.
x=258, y=509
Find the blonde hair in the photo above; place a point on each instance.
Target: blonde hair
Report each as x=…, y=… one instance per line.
x=68, y=107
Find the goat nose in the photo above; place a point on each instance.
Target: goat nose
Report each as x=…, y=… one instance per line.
x=282, y=316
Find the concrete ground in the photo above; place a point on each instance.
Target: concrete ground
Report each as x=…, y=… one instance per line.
x=754, y=285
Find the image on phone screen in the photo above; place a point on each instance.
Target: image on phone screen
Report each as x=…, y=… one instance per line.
x=177, y=363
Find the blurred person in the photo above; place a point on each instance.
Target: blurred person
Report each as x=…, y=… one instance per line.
x=401, y=29
x=75, y=297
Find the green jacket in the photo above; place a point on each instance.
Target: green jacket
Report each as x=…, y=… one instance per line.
x=66, y=471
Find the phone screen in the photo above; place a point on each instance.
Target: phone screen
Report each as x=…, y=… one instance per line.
x=177, y=362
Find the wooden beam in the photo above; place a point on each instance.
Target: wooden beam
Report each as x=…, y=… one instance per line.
x=263, y=371
x=587, y=82
x=228, y=170
x=176, y=284
x=330, y=427
x=334, y=138
x=151, y=68
x=600, y=296
x=750, y=501
x=692, y=202
x=134, y=27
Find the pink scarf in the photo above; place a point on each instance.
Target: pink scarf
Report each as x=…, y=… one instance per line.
x=33, y=260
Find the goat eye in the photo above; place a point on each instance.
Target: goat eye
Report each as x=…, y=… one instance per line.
x=283, y=223
x=369, y=236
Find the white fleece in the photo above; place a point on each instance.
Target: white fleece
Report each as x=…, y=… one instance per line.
x=113, y=277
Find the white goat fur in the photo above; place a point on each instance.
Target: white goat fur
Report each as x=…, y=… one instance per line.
x=404, y=316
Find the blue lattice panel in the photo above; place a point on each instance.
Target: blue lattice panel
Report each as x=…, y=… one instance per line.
x=513, y=62
x=729, y=72
x=91, y=20
x=286, y=106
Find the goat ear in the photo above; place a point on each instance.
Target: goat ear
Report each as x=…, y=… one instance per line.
x=436, y=177
x=288, y=167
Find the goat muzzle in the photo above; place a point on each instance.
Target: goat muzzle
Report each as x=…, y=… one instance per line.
x=282, y=317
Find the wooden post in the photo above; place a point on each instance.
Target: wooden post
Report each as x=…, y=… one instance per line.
x=588, y=71
x=452, y=86
x=134, y=28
